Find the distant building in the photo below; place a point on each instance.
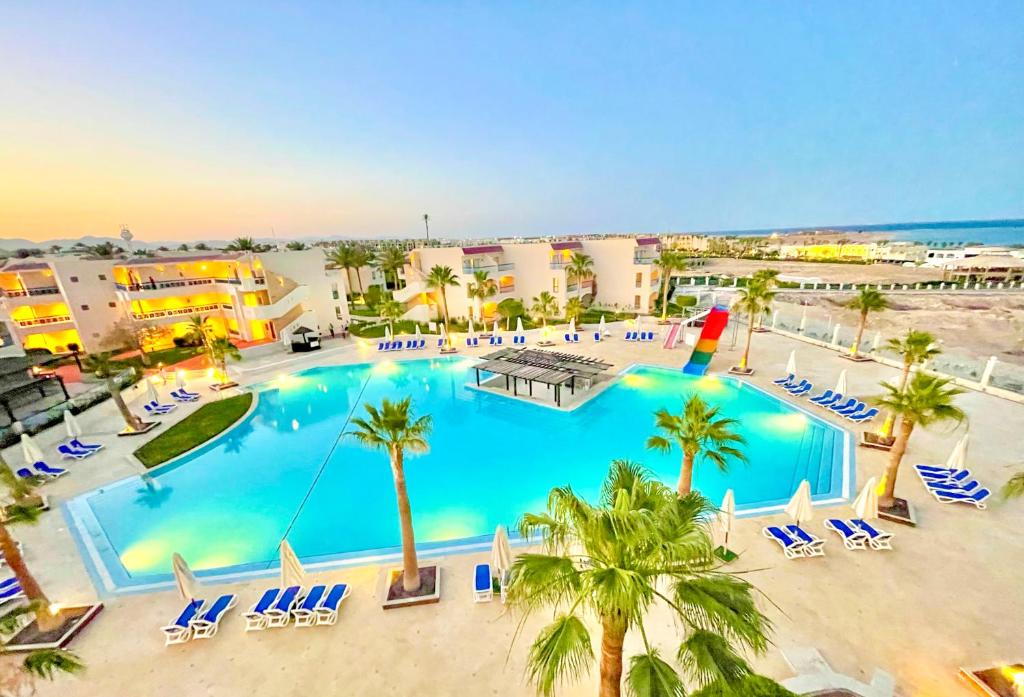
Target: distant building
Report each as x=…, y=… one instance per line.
x=984, y=268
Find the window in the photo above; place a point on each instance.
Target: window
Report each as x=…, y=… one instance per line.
x=337, y=312
x=74, y=279
x=85, y=307
x=111, y=304
x=334, y=292
x=639, y=280
x=636, y=302
x=103, y=277
x=554, y=284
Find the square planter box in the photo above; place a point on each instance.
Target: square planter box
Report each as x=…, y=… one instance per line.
x=995, y=681
x=901, y=512
x=147, y=426
x=428, y=593
x=223, y=386
x=30, y=638
x=859, y=358
x=870, y=439
x=736, y=370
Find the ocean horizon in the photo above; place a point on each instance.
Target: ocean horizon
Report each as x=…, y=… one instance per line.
x=1008, y=231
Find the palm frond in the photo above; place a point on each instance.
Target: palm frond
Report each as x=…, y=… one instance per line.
x=561, y=652
x=724, y=605
x=708, y=658
x=45, y=662
x=651, y=676
x=1014, y=487
x=542, y=580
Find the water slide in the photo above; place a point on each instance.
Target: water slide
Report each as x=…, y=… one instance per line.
x=714, y=323
x=673, y=335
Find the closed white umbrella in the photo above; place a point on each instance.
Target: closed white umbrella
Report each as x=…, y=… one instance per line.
x=417, y=334
x=637, y=327
x=600, y=327
x=292, y=573
x=496, y=328
x=71, y=425
x=799, y=507
x=31, y=450
x=958, y=458
x=444, y=336
x=184, y=579
x=841, y=382
x=803, y=321
x=727, y=514
x=151, y=393
x=501, y=557
x=387, y=333
x=519, y=326
x=866, y=503
x=472, y=330
x=572, y=325
x=179, y=379
x=791, y=363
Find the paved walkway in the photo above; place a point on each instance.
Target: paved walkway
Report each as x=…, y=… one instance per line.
x=949, y=595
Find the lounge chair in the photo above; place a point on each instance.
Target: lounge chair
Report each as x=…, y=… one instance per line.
x=786, y=380
x=483, y=589
x=791, y=547
x=79, y=445
x=180, y=630
x=158, y=409
x=951, y=486
x=800, y=385
x=205, y=626
x=865, y=417
x=182, y=390
x=852, y=538
x=977, y=498
x=519, y=339
x=823, y=397
x=396, y=345
x=831, y=401
x=280, y=612
x=422, y=344
x=472, y=341
x=47, y=471
x=305, y=613
x=256, y=617
x=382, y=344
x=327, y=611
x=876, y=538
x=597, y=336
x=74, y=453
x=10, y=590
x=850, y=402
x=802, y=390
x=177, y=396
x=935, y=468
x=440, y=343
x=499, y=341
x=852, y=410
x=26, y=473
x=631, y=336
x=814, y=546
x=951, y=476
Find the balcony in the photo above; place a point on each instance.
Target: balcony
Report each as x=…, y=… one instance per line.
x=181, y=311
x=37, y=321
x=32, y=292
x=638, y=259
x=176, y=283
x=587, y=286
x=559, y=263
x=506, y=288
x=277, y=309
x=469, y=268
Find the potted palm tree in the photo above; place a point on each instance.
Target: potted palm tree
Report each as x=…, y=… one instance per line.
x=103, y=366
x=220, y=350
x=924, y=401
x=698, y=432
x=394, y=428
x=614, y=561
x=867, y=301
x=438, y=280
x=754, y=301
x=915, y=348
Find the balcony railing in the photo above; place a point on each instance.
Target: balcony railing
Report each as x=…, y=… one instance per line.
x=36, y=321
x=179, y=311
x=587, y=285
x=507, y=288
x=489, y=268
x=185, y=282
x=43, y=290
x=637, y=259
x=560, y=263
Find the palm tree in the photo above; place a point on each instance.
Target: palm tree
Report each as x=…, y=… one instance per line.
x=391, y=310
x=916, y=348
x=104, y=250
x=573, y=309
x=640, y=545
x=580, y=265
x=220, y=349
x=482, y=288
x=394, y=428
x=1014, y=487
x=754, y=300
x=182, y=247
x=102, y=365
x=768, y=277
x=296, y=246
x=511, y=308
x=199, y=331
x=868, y=300
x=439, y=278
x=668, y=261
x=544, y=305
x=343, y=256
x=242, y=244
x=925, y=400
x=202, y=246
x=698, y=432
x=391, y=260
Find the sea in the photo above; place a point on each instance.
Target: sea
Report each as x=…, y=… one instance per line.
x=1008, y=232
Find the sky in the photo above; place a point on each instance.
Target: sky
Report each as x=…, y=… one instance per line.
x=203, y=120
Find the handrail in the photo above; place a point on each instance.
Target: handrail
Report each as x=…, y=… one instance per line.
x=53, y=319
x=156, y=314
x=42, y=290
x=185, y=282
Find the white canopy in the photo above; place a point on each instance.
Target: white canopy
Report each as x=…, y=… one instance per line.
x=31, y=450
x=866, y=503
x=841, y=382
x=958, y=458
x=800, y=508
x=184, y=579
x=292, y=573
x=71, y=425
x=727, y=514
x=791, y=363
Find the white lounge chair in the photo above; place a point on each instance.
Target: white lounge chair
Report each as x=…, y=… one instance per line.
x=878, y=539
x=327, y=611
x=206, y=625
x=305, y=612
x=852, y=538
x=814, y=546
x=256, y=617
x=280, y=612
x=791, y=547
x=483, y=587
x=180, y=630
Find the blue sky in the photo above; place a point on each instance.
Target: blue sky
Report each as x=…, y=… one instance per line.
x=197, y=120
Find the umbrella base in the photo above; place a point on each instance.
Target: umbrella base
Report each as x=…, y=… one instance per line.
x=428, y=593
x=900, y=512
x=726, y=554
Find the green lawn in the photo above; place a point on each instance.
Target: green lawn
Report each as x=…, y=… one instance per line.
x=167, y=357
x=209, y=420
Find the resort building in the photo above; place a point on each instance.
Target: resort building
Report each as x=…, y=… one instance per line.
x=57, y=303
x=623, y=275
x=988, y=268
x=249, y=297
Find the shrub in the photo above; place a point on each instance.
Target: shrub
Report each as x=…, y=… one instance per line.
x=750, y=686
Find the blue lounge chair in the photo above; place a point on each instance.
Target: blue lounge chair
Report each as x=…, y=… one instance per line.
x=26, y=473
x=281, y=611
x=597, y=336
x=422, y=344
x=10, y=590
x=256, y=617
x=951, y=486
x=483, y=589
x=472, y=341
x=327, y=612
x=977, y=498
x=75, y=443
x=855, y=410
x=866, y=416
x=519, y=339
x=178, y=396
x=791, y=547
x=852, y=401
x=951, y=476
x=180, y=630
x=631, y=336
x=206, y=625
x=823, y=397
x=74, y=453
x=876, y=538
x=814, y=546
x=182, y=390
x=305, y=613
x=157, y=408
x=396, y=345
x=800, y=385
x=786, y=380
x=797, y=392
x=47, y=471
x=852, y=539
x=831, y=401
x=935, y=468
x=380, y=345
x=499, y=341
x=492, y=341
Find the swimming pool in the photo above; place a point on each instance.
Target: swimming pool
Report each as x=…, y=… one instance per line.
x=284, y=472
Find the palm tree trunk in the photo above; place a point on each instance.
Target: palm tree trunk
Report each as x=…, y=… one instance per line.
x=750, y=335
x=131, y=420
x=27, y=581
x=685, y=484
x=890, y=418
x=860, y=333
x=888, y=496
x=444, y=309
x=664, y=296
x=410, y=567
x=613, y=635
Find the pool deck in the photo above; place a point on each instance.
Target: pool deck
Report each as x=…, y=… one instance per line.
x=947, y=596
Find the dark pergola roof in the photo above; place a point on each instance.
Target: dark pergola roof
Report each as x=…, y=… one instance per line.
x=570, y=244
x=546, y=367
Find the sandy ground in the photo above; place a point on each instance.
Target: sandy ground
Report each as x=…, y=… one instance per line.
x=830, y=273
x=948, y=595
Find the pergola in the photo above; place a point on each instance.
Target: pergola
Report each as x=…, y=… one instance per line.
x=550, y=368
x=21, y=377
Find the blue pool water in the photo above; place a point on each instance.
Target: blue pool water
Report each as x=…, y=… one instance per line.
x=283, y=471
